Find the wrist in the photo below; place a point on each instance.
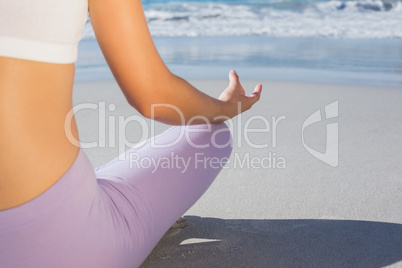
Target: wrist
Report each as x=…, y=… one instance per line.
x=225, y=112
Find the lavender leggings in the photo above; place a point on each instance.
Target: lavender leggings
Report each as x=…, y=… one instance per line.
x=115, y=215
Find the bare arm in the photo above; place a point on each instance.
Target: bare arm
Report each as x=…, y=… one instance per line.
x=122, y=32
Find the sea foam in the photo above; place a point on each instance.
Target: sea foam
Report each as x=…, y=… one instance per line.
x=350, y=19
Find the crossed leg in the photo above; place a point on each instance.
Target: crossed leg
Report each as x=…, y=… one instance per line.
x=160, y=180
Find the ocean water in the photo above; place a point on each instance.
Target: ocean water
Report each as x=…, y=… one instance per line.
x=354, y=42
x=281, y=18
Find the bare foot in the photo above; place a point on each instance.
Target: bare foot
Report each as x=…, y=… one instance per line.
x=177, y=226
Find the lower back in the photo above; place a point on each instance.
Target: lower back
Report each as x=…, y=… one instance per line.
x=35, y=98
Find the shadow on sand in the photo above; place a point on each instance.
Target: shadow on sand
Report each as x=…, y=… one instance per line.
x=279, y=243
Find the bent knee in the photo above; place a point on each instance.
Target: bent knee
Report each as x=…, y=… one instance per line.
x=215, y=138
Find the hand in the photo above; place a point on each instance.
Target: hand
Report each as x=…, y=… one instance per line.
x=235, y=96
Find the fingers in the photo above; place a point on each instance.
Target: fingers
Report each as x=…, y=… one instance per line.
x=233, y=79
x=257, y=92
x=247, y=101
x=233, y=75
x=242, y=90
x=253, y=98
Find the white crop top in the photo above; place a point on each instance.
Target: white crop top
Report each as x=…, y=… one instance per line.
x=42, y=30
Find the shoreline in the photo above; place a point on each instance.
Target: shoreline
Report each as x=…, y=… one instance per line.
x=303, y=76
x=322, y=60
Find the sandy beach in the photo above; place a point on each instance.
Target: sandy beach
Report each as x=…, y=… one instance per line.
x=275, y=204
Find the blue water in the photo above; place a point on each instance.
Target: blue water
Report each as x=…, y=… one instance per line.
x=280, y=18
x=352, y=42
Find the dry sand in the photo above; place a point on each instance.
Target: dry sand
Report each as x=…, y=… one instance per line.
x=303, y=214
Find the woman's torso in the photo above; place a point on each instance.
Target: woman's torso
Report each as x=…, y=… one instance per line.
x=35, y=98
x=38, y=46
